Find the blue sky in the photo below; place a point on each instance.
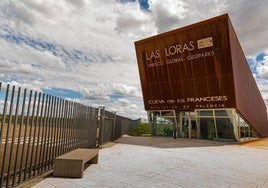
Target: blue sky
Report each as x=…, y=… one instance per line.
x=84, y=50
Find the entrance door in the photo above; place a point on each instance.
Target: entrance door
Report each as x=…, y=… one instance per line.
x=207, y=128
x=188, y=125
x=194, y=133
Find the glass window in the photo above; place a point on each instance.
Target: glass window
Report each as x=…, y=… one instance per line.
x=247, y=132
x=164, y=127
x=205, y=113
x=168, y=113
x=225, y=128
x=223, y=113
x=207, y=128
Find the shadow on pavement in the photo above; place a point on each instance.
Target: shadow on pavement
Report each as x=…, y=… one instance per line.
x=166, y=142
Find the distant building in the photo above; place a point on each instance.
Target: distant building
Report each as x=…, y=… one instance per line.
x=196, y=83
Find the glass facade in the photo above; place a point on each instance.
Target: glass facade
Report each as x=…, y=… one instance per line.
x=213, y=124
x=245, y=131
x=216, y=124
x=162, y=123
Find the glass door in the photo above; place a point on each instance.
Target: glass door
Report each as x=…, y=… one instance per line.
x=188, y=125
x=207, y=128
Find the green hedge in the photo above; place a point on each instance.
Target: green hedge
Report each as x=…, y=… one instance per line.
x=143, y=128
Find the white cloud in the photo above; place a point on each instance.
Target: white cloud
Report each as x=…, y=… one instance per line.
x=167, y=13
x=103, y=90
x=262, y=68
x=93, y=94
x=27, y=63
x=249, y=18
x=134, y=22
x=102, y=35
x=173, y=14
x=124, y=102
x=124, y=89
x=127, y=108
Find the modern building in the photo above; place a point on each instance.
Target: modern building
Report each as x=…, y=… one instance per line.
x=196, y=83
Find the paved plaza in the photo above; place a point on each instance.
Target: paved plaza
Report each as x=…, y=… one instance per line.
x=165, y=162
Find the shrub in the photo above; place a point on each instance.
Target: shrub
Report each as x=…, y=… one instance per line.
x=143, y=128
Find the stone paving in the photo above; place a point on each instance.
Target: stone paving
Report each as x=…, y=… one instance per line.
x=166, y=163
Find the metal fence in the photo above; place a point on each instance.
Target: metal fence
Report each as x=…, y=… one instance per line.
x=35, y=128
x=113, y=126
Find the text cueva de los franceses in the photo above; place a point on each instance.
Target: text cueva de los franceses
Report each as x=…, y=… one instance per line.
x=221, y=98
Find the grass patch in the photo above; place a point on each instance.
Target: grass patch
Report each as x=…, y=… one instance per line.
x=143, y=128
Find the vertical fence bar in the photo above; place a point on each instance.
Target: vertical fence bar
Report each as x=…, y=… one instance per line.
x=35, y=145
x=13, y=138
x=85, y=131
x=45, y=135
x=50, y=131
x=1, y=134
x=60, y=127
x=55, y=129
x=34, y=126
x=30, y=140
x=49, y=138
x=7, y=135
x=79, y=125
x=113, y=128
x=101, y=122
x=65, y=126
x=70, y=125
x=19, y=138
x=73, y=124
x=87, y=125
x=45, y=160
x=71, y=128
x=86, y=120
x=25, y=133
x=41, y=127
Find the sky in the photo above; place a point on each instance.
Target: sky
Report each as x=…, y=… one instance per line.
x=83, y=50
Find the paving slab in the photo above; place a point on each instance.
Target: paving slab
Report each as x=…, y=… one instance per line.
x=166, y=162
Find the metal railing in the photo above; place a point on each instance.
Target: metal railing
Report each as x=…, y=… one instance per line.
x=35, y=128
x=113, y=126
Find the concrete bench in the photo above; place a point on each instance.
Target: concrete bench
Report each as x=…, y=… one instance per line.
x=71, y=164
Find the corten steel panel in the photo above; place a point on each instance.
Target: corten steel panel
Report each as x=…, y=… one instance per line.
x=187, y=68
x=249, y=101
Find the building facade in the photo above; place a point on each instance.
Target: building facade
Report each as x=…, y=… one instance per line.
x=196, y=83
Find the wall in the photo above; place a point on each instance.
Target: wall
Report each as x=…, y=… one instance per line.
x=187, y=68
x=250, y=103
